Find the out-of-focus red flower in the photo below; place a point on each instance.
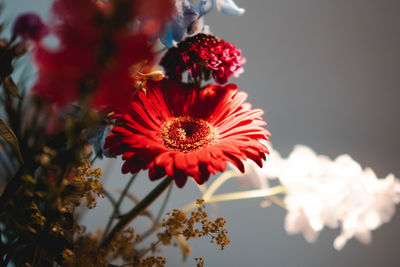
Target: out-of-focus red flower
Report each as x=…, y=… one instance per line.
x=202, y=54
x=93, y=58
x=29, y=26
x=178, y=132
x=153, y=14
x=160, y=9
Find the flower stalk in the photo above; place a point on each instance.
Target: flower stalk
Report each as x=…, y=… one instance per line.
x=118, y=204
x=248, y=194
x=267, y=192
x=136, y=211
x=218, y=182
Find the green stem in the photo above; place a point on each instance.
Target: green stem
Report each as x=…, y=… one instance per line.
x=118, y=204
x=218, y=182
x=137, y=210
x=94, y=158
x=36, y=256
x=156, y=223
x=162, y=208
x=109, y=197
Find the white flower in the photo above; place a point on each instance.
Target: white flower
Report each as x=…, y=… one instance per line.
x=324, y=192
x=312, y=194
x=368, y=203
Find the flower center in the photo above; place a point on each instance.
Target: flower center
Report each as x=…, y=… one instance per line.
x=186, y=134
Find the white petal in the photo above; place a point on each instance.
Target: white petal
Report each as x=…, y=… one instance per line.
x=228, y=7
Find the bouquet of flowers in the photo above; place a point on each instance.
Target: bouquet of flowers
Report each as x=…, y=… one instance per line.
x=147, y=81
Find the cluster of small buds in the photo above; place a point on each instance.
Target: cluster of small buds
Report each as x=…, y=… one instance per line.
x=45, y=157
x=68, y=256
x=174, y=225
x=199, y=262
x=178, y=224
x=37, y=218
x=57, y=229
x=153, y=262
x=86, y=251
x=123, y=246
x=88, y=180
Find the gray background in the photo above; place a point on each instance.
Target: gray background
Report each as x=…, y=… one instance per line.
x=327, y=74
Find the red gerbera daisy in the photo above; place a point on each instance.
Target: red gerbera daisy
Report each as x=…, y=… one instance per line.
x=204, y=54
x=178, y=132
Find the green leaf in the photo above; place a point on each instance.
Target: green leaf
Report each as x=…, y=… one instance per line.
x=9, y=136
x=11, y=87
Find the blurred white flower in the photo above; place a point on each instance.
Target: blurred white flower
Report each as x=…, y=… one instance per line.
x=324, y=192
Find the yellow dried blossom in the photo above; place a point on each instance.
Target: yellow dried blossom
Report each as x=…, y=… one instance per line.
x=153, y=261
x=86, y=251
x=123, y=247
x=57, y=229
x=36, y=216
x=88, y=182
x=196, y=225
x=68, y=256
x=178, y=227
x=199, y=262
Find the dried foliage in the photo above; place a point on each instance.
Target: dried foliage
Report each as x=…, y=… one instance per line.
x=195, y=226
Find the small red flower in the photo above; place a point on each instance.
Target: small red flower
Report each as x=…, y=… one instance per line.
x=202, y=54
x=29, y=26
x=181, y=132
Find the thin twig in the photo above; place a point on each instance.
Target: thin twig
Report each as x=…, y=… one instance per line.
x=247, y=194
x=109, y=197
x=277, y=201
x=137, y=210
x=240, y=195
x=218, y=182
x=136, y=201
x=118, y=204
x=156, y=223
x=164, y=204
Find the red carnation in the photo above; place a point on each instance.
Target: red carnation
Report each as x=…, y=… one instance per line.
x=202, y=54
x=178, y=132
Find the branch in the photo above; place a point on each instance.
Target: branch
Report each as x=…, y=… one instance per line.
x=137, y=210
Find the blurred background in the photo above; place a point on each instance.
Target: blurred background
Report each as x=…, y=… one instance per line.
x=327, y=74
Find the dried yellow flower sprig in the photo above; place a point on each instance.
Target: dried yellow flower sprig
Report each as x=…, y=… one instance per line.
x=199, y=262
x=88, y=180
x=178, y=224
x=85, y=250
x=153, y=261
x=178, y=228
x=123, y=246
